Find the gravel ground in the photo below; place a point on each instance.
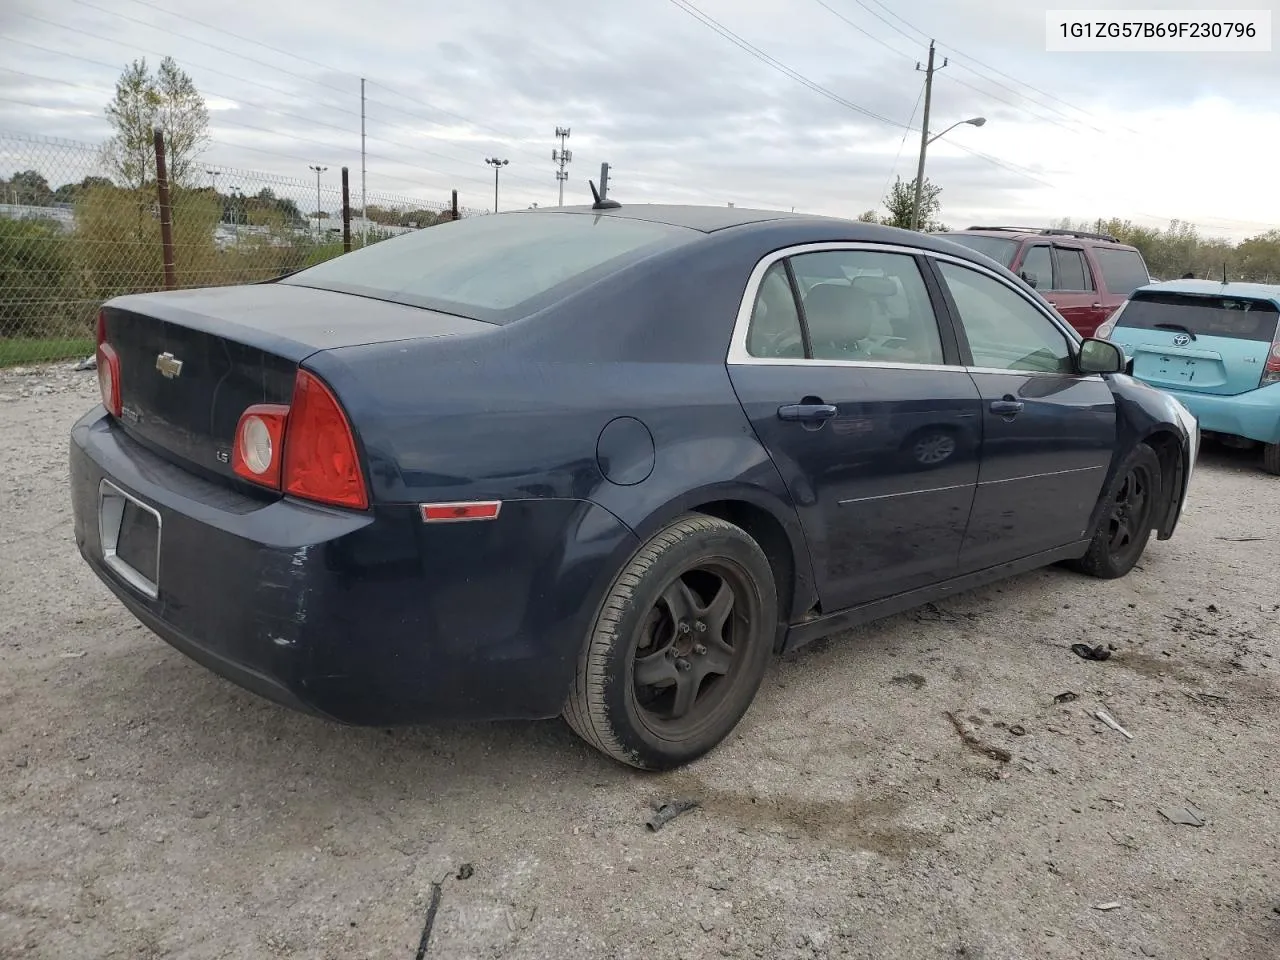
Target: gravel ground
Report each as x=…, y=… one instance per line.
x=150, y=809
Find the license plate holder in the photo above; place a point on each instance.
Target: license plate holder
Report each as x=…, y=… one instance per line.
x=129, y=531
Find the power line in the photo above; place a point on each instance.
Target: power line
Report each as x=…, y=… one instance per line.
x=776, y=64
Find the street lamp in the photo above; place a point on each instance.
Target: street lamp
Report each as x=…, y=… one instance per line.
x=925, y=140
x=497, y=165
x=213, y=175
x=319, y=170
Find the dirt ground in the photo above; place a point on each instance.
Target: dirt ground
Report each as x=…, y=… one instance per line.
x=151, y=809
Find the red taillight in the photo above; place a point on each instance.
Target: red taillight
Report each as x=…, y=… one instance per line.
x=320, y=461
x=1271, y=370
x=259, y=448
x=108, y=369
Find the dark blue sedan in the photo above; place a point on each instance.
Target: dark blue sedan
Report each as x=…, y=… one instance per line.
x=601, y=463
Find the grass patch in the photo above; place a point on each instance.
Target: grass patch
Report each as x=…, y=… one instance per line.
x=17, y=352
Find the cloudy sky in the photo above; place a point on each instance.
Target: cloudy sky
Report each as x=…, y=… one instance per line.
x=680, y=110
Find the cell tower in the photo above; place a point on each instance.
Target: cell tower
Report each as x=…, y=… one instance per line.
x=562, y=157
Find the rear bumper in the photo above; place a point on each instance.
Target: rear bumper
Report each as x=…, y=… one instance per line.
x=366, y=618
x=1254, y=415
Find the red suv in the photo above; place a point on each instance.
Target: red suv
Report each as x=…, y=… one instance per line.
x=1086, y=276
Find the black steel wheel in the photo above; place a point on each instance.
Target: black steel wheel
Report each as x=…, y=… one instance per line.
x=679, y=647
x=1127, y=518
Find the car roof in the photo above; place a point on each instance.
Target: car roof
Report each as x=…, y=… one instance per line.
x=705, y=219
x=1044, y=235
x=1215, y=288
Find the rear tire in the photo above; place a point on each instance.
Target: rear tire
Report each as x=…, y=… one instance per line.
x=1271, y=458
x=679, y=647
x=1127, y=517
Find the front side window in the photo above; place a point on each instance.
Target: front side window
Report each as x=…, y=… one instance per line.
x=1005, y=332
x=1037, y=267
x=868, y=306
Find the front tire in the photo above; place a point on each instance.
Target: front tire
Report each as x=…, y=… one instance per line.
x=1127, y=517
x=679, y=647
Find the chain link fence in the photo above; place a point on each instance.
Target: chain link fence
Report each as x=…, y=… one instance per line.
x=72, y=236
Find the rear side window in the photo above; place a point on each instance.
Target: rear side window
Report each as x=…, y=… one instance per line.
x=494, y=268
x=1073, y=272
x=1123, y=271
x=1233, y=317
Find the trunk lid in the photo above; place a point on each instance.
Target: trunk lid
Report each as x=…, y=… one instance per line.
x=1196, y=342
x=191, y=361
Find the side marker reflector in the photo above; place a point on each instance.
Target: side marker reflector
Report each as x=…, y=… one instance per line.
x=455, y=512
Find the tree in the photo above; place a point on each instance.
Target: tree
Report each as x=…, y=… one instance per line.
x=169, y=101
x=869, y=216
x=68, y=192
x=901, y=201
x=29, y=187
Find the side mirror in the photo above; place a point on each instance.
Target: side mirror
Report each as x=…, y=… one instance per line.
x=1100, y=356
x=1031, y=279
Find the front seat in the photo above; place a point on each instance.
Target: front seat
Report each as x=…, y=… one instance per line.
x=839, y=318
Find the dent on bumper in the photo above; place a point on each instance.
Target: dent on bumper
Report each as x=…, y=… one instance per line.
x=362, y=617
x=1254, y=415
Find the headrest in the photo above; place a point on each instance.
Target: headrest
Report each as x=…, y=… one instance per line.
x=876, y=286
x=838, y=313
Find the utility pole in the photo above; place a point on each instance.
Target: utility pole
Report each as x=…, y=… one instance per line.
x=497, y=165
x=364, y=218
x=562, y=157
x=319, y=170
x=924, y=134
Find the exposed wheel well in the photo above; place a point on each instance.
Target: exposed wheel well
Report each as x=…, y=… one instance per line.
x=1169, y=449
x=765, y=529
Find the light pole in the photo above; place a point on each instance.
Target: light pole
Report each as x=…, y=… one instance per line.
x=213, y=175
x=319, y=170
x=497, y=165
x=925, y=140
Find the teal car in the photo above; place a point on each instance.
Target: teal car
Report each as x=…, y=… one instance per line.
x=1216, y=348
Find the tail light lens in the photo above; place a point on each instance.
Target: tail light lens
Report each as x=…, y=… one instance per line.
x=259, y=448
x=1271, y=370
x=320, y=461
x=306, y=449
x=1109, y=325
x=108, y=369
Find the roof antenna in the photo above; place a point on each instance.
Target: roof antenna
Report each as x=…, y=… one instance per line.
x=601, y=196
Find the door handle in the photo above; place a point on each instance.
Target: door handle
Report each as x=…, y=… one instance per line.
x=1007, y=407
x=1097, y=306
x=807, y=412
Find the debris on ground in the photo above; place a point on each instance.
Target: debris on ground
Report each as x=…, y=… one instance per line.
x=1086, y=652
x=1111, y=722
x=1187, y=816
x=432, y=909
x=666, y=812
x=973, y=743
x=1018, y=730
x=466, y=872
x=72, y=656
x=88, y=363
x=1066, y=697
x=1112, y=905
x=1204, y=697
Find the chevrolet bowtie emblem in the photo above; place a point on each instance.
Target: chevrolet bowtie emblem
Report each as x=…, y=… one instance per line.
x=168, y=365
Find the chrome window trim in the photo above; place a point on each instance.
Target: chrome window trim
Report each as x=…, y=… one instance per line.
x=738, y=355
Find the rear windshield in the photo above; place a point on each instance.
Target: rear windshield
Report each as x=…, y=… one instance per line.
x=1233, y=317
x=494, y=268
x=998, y=249
x=1124, y=271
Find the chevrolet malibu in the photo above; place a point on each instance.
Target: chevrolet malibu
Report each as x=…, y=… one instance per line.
x=599, y=462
